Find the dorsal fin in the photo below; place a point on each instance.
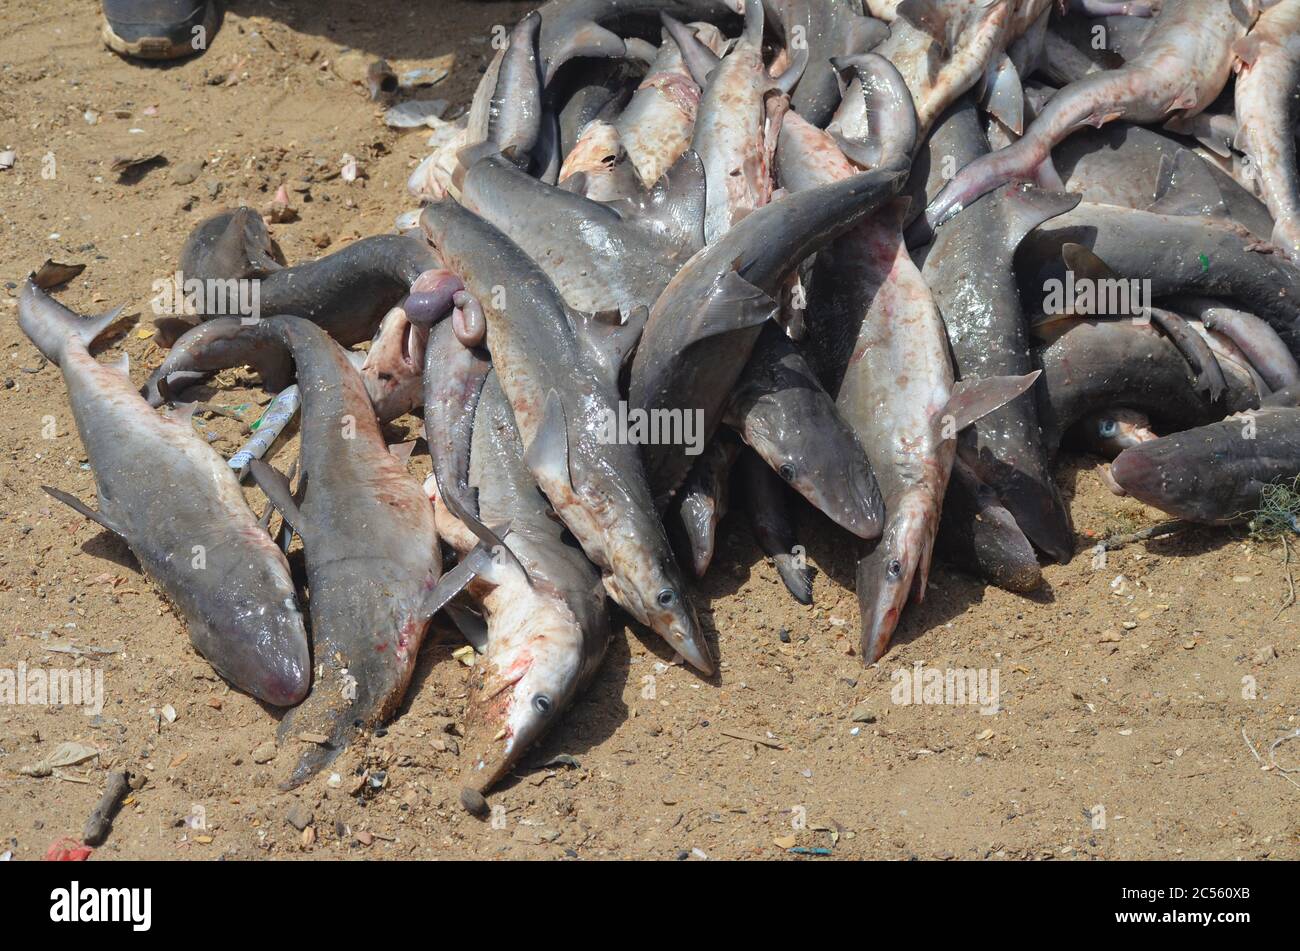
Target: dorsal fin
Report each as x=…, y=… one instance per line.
x=608, y=339
x=1186, y=186
x=548, y=454
x=733, y=304
x=1002, y=95
x=587, y=38
x=927, y=16
x=674, y=206
x=1085, y=263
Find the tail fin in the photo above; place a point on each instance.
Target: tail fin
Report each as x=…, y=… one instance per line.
x=876, y=124
x=50, y=325
x=700, y=61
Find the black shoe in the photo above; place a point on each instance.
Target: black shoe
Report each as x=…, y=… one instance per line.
x=159, y=29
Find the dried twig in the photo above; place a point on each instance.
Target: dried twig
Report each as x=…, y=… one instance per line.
x=1145, y=534
x=1290, y=580
x=1272, y=752
x=100, y=822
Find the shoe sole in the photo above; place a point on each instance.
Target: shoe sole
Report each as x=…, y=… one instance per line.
x=158, y=47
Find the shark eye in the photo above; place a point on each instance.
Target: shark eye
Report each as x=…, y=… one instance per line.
x=1108, y=428
x=666, y=598
x=542, y=704
x=894, y=568
x=786, y=471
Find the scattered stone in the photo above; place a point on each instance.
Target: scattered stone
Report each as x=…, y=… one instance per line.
x=862, y=714
x=264, y=753
x=473, y=802
x=300, y=816
x=187, y=172
x=278, y=210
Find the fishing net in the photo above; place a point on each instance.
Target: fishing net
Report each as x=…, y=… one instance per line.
x=1278, y=514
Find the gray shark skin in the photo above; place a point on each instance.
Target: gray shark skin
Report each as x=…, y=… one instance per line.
x=783, y=413
x=1214, y=473
x=230, y=244
x=515, y=112
x=1097, y=364
x=348, y=292
x=703, y=499
x=831, y=28
x=767, y=501
x=895, y=385
x=602, y=258
x=978, y=535
x=371, y=549
x=1177, y=254
x=1183, y=64
x=366, y=525
x=1120, y=37
x=1129, y=165
x=1268, y=86
x=453, y=381
x=547, y=634
x=574, y=28
x=956, y=139
x=565, y=396
x=712, y=311
x=220, y=346
x=178, y=505
x=969, y=271
x=1266, y=351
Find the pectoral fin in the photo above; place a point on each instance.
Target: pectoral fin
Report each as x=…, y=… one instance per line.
x=81, y=507
x=276, y=486
x=974, y=399
x=734, y=304
x=479, y=562
x=471, y=625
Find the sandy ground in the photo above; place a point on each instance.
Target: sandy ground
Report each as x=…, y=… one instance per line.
x=1125, y=688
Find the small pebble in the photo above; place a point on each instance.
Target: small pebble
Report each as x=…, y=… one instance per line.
x=473, y=802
